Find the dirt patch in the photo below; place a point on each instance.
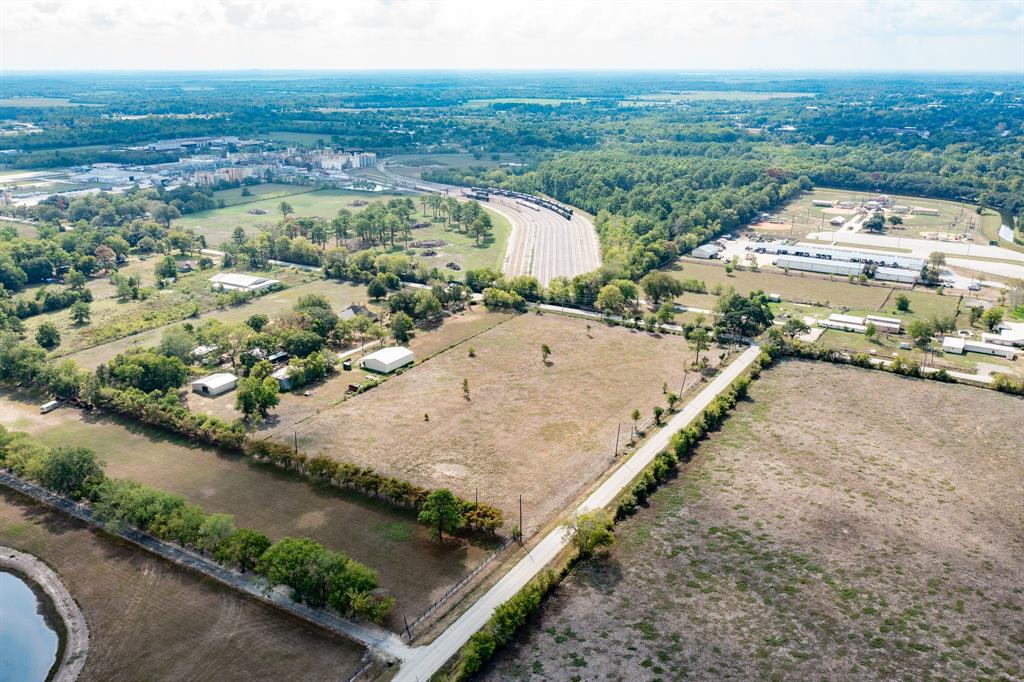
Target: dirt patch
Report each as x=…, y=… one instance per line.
x=542, y=431
x=845, y=524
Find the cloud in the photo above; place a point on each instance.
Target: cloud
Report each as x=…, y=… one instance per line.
x=883, y=35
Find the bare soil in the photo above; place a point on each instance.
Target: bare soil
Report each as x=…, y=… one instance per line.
x=844, y=525
x=151, y=620
x=544, y=431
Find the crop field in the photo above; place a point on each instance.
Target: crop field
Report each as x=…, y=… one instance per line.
x=113, y=320
x=411, y=567
x=296, y=406
x=824, y=533
x=800, y=216
x=541, y=431
x=340, y=294
x=149, y=619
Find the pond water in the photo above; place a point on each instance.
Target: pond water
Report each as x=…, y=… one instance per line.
x=28, y=645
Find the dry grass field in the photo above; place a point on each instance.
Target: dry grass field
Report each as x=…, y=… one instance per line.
x=150, y=620
x=844, y=525
x=542, y=431
x=411, y=567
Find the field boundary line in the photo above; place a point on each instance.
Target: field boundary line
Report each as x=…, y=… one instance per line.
x=371, y=636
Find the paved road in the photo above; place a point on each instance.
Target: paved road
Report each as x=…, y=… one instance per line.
x=372, y=636
x=426, y=660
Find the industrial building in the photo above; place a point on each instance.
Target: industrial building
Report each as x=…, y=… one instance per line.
x=234, y=281
x=897, y=275
x=705, y=251
x=841, y=254
x=1010, y=334
x=387, y=360
x=215, y=384
x=959, y=345
x=823, y=265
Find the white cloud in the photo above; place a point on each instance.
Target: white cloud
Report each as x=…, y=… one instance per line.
x=529, y=34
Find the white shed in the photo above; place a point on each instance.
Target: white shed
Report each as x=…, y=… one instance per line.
x=215, y=384
x=387, y=360
x=705, y=251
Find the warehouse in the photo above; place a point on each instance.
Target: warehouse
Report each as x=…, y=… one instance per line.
x=387, y=360
x=897, y=275
x=705, y=251
x=215, y=384
x=234, y=281
x=890, y=325
x=855, y=256
x=831, y=267
x=958, y=345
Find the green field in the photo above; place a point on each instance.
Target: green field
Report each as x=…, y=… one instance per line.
x=219, y=223
x=267, y=190
x=730, y=95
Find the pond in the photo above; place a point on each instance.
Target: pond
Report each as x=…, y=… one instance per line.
x=28, y=645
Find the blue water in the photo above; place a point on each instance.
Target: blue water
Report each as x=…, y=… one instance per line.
x=28, y=647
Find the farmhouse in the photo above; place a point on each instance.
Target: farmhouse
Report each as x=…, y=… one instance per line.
x=215, y=384
x=234, y=281
x=705, y=251
x=897, y=275
x=831, y=267
x=387, y=360
x=958, y=345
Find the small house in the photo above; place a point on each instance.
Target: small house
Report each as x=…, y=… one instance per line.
x=387, y=360
x=215, y=384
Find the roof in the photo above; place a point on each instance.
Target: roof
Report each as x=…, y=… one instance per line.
x=887, y=320
x=200, y=351
x=353, y=310
x=709, y=249
x=217, y=380
x=236, y=279
x=390, y=354
x=281, y=373
x=845, y=319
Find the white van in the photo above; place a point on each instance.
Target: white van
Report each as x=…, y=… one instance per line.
x=49, y=407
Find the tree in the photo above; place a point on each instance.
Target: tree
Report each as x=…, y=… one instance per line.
x=165, y=214
x=991, y=318
x=659, y=412
x=658, y=285
x=377, y=289
x=243, y=548
x=700, y=341
x=610, y=300
x=895, y=220
x=167, y=268
x=545, y=353
x=635, y=416
x=257, y=393
x=921, y=332
x=286, y=209
x=871, y=331
x=465, y=388
x=875, y=223
x=743, y=316
x=666, y=313
x=71, y=471
x=105, y=257
x=937, y=260
x=902, y=303
x=442, y=510
x=80, y=313
x=589, y=532
x=74, y=280
x=214, y=531
x=47, y=335
x=794, y=327
x=257, y=322
x=401, y=327
x=148, y=371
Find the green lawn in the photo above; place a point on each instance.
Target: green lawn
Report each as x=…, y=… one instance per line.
x=267, y=190
x=462, y=248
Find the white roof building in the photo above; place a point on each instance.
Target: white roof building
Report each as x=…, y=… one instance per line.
x=236, y=281
x=897, y=275
x=823, y=265
x=959, y=345
x=387, y=360
x=705, y=251
x=1010, y=334
x=215, y=384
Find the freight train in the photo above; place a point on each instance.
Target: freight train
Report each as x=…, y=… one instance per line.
x=561, y=210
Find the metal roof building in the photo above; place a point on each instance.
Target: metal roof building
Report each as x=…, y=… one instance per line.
x=387, y=360
x=823, y=265
x=215, y=384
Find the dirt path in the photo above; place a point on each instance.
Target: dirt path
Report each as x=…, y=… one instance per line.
x=76, y=630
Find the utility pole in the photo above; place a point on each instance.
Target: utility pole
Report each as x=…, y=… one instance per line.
x=296, y=435
x=520, y=519
x=618, y=429
x=408, y=635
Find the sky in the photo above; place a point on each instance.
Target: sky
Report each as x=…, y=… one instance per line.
x=824, y=35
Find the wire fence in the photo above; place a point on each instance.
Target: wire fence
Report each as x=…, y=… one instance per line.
x=456, y=587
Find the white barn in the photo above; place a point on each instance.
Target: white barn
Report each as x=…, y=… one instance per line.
x=705, y=251
x=387, y=360
x=215, y=384
x=236, y=281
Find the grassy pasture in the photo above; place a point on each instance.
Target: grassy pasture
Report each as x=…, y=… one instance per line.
x=149, y=619
x=340, y=294
x=411, y=567
x=263, y=191
x=844, y=524
x=545, y=432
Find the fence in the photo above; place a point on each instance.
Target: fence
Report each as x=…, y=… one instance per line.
x=455, y=588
